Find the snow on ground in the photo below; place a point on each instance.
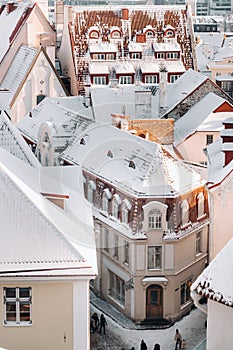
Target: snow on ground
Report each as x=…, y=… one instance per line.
x=117, y=337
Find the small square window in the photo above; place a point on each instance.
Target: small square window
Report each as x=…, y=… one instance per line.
x=209, y=139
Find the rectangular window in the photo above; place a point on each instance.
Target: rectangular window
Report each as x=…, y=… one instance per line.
x=154, y=257
x=116, y=288
x=185, y=291
x=125, y=79
x=151, y=79
x=154, y=220
x=110, y=56
x=198, y=243
x=174, y=77
x=17, y=305
x=160, y=55
x=106, y=239
x=172, y=55
x=99, y=80
x=135, y=55
x=209, y=139
x=98, y=56
x=116, y=244
x=126, y=253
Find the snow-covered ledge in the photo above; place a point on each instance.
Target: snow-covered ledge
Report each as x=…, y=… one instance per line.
x=196, y=298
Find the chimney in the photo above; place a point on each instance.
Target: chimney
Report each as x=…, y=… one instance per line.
x=141, y=38
x=162, y=90
x=125, y=14
x=10, y=7
x=227, y=140
x=120, y=121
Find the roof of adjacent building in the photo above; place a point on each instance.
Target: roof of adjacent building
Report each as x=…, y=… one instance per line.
x=140, y=167
x=37, y=237
x=9, y=22
x=215, y=282
x=12, y=141
x=201, y=117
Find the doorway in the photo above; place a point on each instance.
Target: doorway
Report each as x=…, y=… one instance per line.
x=154, y=301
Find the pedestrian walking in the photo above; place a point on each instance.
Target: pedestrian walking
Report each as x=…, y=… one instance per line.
x=178, y=339
x=143, y=345
x=95, y=319
x=157, y=346
x=103, y=323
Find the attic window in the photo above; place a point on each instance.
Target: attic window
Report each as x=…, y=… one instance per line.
x=132, y=164
x=110, y=154
x=82, y=141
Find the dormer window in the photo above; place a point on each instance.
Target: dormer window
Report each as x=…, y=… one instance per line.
x=125, y=207
x=91, y=187
x=110, y=154
x=184, y=213
x=105, y=199
x=132, y=164
x=154, y=216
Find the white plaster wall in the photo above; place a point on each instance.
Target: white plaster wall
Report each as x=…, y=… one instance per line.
x=41, y=80
x=221, y=202
x=219, y=333
x=192, y=148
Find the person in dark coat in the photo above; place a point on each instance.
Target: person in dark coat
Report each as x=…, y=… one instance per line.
x=103, y=323
x=157, y=346
x=143, y=345
x=96, y=322
x=178, y=339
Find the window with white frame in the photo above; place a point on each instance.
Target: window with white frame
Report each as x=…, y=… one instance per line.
x=160, y=55
x=185, y=291
x=200, y=205
x=116, y=288
x=174, y=77
x=126, y=253
x=99, y=80
x=110, y=56
x=90, y=191
x=105, y=201
x=115, y=205
x=125, y=207
x=151, y=79
x=17, y=305
x=98, y=56
x=125, y=79
x=106, y=239
x=135, y=55
x=154, y=219
x=116, y=247
x=172, y=55
x=198, y=243
x=184, y=213
x=154, y=257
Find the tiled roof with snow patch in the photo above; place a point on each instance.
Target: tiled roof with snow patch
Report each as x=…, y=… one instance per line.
x=18, y=69
x=11, y=140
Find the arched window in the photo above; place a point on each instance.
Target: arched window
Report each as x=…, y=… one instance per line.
x=106, y=196
x=155, y=219
x=184, y=212
x=116, y=201
x=200, y=205
x=126, y=206
x=91, y=187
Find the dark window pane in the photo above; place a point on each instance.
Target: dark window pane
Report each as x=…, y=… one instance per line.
x=154, y=297
x=10, y=292
x=24, y=311
x=10, y=311
x=24, y=292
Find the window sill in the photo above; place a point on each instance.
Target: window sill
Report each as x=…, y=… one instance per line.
x=201, y=217
x=17, y=324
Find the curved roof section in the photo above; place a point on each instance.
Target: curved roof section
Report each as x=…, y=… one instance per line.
x=155, y=172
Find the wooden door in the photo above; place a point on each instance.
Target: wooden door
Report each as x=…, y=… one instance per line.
x=154, y=302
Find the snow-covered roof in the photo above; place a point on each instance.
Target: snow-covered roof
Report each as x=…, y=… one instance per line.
x=200, y=118
x=166, y=47
x=151, y=172
x=102, y=47
x=8, y=23
x=12, y=141
x=135, y=47
x=18, y=69
x=223, y=52
x=182, y=87
x=124, y=67
x=172, y=66
x=96, y=68
x=215, y=282
x=53, y=110
x=57, y=243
